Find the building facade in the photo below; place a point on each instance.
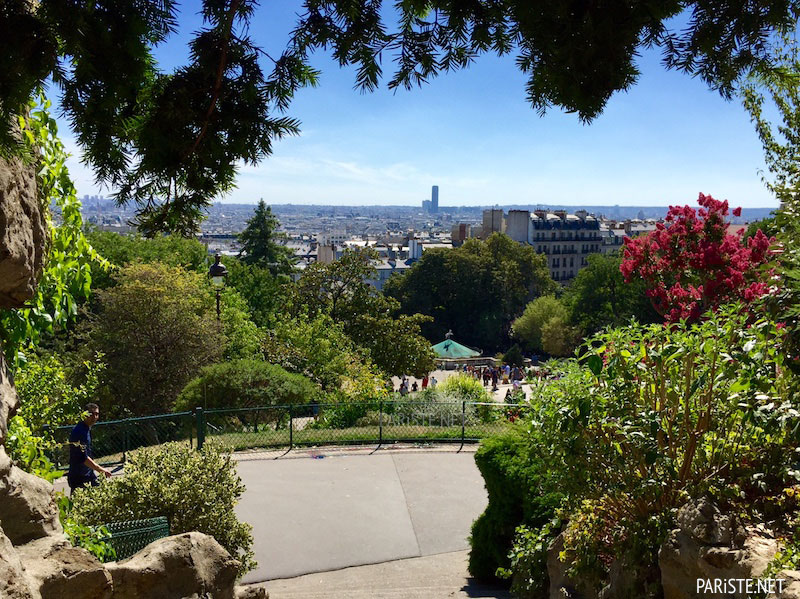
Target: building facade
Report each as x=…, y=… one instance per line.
x=564, y=239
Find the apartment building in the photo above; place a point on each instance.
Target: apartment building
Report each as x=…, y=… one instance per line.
x=564, y=239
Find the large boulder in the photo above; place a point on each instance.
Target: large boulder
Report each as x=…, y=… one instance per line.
x=13, y=582
x=187, y=565
x=251, y=591
x=27, y=509
x=710, y=545
x=57, y=570
x=790, y=585
x=23, y=233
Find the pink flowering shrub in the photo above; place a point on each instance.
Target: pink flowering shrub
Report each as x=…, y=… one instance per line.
x=690, y=263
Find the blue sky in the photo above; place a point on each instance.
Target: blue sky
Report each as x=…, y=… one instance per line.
x=473, y=134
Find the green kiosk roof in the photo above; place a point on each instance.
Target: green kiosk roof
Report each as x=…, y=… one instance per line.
x=450, y=349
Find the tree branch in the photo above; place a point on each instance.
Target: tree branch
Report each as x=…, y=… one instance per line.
x=223, y=59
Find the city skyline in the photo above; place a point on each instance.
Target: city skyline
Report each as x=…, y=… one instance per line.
x=473, y=134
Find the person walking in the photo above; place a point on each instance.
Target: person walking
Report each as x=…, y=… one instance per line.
x=82, y=468
x=425, y=382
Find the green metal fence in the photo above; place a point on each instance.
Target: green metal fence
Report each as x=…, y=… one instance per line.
x=369, y=423
x=113, y=440
x=130, y=537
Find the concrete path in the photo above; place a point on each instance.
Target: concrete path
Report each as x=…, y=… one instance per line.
x=322, y=510
x=442, y=576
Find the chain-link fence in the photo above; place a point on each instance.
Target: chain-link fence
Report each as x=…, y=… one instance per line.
x=368, y=423
x=113, y=440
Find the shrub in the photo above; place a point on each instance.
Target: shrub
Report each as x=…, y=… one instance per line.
x=246, y=383
x=463, y=387
x=319, y=349
x=657, y=415
x=431, y=406
x=528, y=327
x=513, y=475
x=691, y=264
x=528, y=556
x=514, y=357
x=242, y=335
x=343, y=413
x=95, y=539
x=195, y=490
x=558, y=337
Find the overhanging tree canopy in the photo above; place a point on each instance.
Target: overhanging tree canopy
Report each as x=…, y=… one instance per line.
x=171, y=142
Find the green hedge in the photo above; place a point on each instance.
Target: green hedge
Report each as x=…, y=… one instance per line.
x=246, y=383
x=195, y=490
x=511, y=473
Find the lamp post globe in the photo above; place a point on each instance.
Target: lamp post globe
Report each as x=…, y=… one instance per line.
x=218, y=273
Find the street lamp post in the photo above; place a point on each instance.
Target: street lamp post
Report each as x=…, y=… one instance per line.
x=218, y=273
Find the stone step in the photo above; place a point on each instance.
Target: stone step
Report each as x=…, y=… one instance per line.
x=441, y=576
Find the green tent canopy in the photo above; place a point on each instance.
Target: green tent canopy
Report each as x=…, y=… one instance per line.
x=450, y=349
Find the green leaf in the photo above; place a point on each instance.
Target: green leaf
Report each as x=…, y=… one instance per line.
x=595, y=364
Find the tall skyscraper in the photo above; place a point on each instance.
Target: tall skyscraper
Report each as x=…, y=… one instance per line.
x=435, y=199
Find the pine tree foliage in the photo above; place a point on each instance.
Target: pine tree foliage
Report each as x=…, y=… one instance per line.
x=260, y=242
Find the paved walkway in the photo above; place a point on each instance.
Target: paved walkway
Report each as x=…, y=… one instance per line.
x=320, y=511
x=442, y=576
x=362, y=522
x=324, y=510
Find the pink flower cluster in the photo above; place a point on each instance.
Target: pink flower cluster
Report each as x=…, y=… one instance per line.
x=691, y=264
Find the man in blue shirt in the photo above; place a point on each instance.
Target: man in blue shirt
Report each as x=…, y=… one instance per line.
x=82, y=467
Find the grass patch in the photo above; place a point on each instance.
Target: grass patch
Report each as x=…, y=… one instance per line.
x=241, y=440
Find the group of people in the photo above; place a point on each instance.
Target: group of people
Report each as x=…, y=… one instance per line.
x=496, y=374
x=426, y=382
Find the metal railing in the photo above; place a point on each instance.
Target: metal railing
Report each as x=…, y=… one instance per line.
x=129, y=537
x=113, y=440
x=367, y=423
x=273, y=427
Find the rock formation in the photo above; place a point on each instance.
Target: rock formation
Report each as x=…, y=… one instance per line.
x=36, y=559
x=706, y=545
x=709, y=545
x=210, y=571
